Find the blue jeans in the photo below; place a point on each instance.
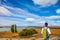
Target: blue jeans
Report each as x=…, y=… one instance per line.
x=47, y=38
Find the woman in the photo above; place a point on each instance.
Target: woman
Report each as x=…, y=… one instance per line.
x=45, y=32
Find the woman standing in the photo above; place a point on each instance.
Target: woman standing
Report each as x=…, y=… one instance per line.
x=45, y=32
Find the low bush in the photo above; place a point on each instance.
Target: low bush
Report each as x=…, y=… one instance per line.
x=27, y=32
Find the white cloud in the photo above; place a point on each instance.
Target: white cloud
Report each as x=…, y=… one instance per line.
x=58, y=11
x=4, y=11
x=30, y=19
x=53, y=17
x=7, y=22
x=20, y=13
x=45, y=3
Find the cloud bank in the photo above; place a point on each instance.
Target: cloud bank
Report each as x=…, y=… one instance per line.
x=4, y=11
x=18, y=13
x=45, y=3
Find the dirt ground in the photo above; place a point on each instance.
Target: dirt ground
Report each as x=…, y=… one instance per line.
x=27, y=39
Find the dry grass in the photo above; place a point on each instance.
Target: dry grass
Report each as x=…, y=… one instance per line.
x=54, y=32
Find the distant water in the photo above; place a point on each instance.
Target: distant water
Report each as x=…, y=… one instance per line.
x=7, y=29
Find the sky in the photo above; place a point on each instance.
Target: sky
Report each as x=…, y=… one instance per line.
x=29, y=12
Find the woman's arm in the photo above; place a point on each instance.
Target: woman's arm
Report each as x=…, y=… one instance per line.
x=49, y=31
x=42, y=31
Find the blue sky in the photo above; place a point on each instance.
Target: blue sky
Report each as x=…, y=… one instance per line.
x=29, y=12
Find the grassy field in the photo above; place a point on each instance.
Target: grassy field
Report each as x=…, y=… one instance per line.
x=54, y=32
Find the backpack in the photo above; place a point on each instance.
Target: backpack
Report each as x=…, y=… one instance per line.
x=45, y=33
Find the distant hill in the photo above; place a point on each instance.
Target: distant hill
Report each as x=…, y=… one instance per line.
x=5, y=26
x=1, y=26
x=55, y=27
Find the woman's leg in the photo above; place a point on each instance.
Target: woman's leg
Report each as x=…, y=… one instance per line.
x=47, y=38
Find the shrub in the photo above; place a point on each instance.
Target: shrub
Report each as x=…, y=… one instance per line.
x=27, y=32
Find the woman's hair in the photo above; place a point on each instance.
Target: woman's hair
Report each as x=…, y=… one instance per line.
x=46, y=24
